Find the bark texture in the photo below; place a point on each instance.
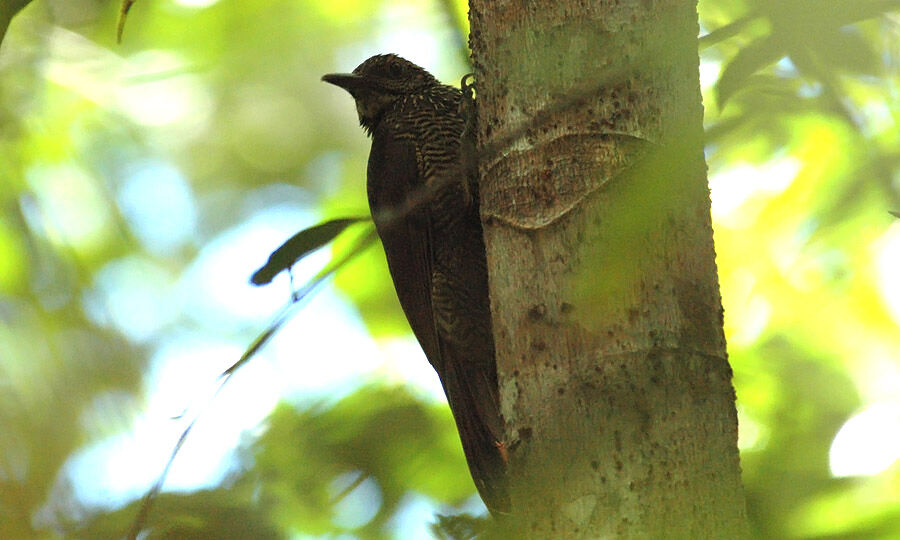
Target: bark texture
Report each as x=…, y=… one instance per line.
x=615, y=385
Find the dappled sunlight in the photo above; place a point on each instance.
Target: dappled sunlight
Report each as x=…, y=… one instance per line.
x=805, y=248
x=404, y=361
x=359, y=499
x=134, y=295
x=751, y=434
x=67, y=207
x=215, y=286
x=258, y=134
x=868, y=443
x=159, y=205
x=196, y=3
x=157, y=90
x=153, y=87
x=888, y=268
x=180, y=384
x=12, y=258
x=415, y=514
x=747, y=312
x=144, y=183
x=732, y=188
x=709, y=73
x=323, y=351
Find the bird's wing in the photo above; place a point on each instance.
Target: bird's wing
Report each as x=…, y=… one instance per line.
x=459, y=347
x=392, y=176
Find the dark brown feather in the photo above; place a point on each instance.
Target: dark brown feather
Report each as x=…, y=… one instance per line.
x=429, y=225
x=392, y=175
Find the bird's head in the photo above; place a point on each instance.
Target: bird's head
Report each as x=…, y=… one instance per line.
x=378, y=82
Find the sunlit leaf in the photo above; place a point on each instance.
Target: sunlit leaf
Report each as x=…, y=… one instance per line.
x=300, y=245
x=846, y=51
x=722, y=33
x=749, y=60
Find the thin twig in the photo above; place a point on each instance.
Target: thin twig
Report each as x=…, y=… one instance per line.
x=123, y=14
x=303, y=294
x=347, y=490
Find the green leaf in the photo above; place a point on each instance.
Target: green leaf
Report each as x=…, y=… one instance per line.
x=300, y=245
x=846, y=49
x=723, y=33
x=748, y=61
x=843, y=12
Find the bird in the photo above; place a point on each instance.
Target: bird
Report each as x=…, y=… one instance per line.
x=424, y=201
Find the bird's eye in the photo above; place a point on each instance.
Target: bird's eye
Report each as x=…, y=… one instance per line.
x=396, y=70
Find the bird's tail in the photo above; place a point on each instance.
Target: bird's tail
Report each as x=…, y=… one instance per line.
x=473, y=396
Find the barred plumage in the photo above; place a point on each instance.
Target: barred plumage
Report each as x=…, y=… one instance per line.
x=427, y=218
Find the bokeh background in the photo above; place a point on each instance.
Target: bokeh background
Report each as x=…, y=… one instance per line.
x=141, y=184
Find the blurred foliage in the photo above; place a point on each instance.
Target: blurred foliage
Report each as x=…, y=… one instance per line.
x=316, y=471
x=126, y=167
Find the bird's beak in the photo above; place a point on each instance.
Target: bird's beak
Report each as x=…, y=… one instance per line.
x=347, y=81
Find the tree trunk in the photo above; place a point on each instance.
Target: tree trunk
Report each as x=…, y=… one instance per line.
x=614, y=380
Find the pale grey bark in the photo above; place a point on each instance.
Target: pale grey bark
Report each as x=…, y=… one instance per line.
x=615, y=384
